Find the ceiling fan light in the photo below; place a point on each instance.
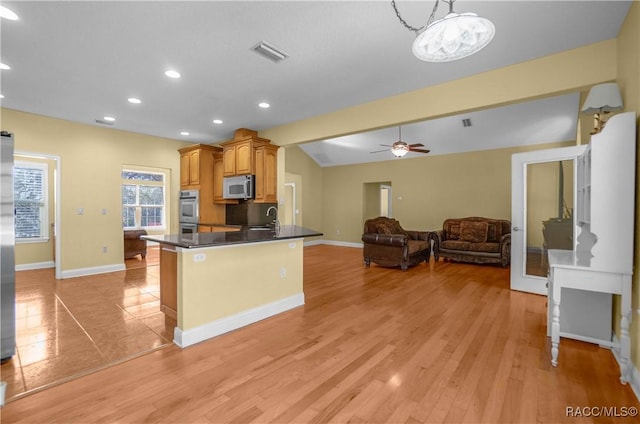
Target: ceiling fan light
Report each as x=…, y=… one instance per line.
x=399, y=150
x=453, y=37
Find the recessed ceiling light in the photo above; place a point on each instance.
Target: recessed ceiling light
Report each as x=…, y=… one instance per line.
x=134, y=100
x=172, y=74
x=184, y=133
x=109, y=118
x=264, y=105
x=8, y=14
x=217, y=121
x=1, y=96
x=3, y=66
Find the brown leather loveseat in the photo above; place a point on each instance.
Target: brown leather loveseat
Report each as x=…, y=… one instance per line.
x=474, y=239
x=387, y=244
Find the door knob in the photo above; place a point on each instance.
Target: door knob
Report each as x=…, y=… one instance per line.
x=516, y=229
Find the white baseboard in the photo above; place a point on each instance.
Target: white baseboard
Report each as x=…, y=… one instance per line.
x=339, y=243
x=80, y=272
x=635, y=373
x=233, y=322
x=35, y=265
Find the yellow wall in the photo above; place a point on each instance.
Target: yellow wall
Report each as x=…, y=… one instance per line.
x=310, y=177
x=91, y=160
x=628, y=62
x=214, y=289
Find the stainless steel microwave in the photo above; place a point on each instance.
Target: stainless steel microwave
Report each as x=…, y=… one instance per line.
x=240, y=187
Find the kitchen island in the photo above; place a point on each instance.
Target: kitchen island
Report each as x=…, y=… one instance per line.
x=213, y=283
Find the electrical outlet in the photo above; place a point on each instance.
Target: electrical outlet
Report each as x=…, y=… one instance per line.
x=338, y=231
x=105, y=249
x=199, y=257
x=80, y=211
x=283, y=272
x=104, y=211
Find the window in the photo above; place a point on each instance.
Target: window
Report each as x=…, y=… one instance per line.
x=31, y=201
x=143, y=199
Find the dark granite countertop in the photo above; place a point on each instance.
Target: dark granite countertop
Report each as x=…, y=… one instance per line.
x=245, y=235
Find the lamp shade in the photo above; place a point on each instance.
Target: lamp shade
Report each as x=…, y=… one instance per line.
x=603, y=98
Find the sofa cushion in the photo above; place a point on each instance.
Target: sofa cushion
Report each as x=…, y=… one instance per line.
x=485, y=247
x=416, y=246
x=452, y=230
x=474, y=231
x=455, y=245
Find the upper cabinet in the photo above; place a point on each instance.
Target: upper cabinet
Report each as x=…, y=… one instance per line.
x=238, y=158
x=196, y=165
x=248, y=154
x=189, y=168
x=266, y=158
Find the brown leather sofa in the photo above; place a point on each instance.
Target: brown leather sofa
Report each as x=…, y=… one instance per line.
x=474, y=239
x=133, y=245
x=387, y=244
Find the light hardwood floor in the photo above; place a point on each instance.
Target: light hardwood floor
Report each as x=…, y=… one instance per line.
x=443, y=342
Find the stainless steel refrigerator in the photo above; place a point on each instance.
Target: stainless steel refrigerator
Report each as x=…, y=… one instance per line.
x=7, y=244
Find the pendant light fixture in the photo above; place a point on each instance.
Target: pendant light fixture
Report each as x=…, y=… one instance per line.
x=453, y=37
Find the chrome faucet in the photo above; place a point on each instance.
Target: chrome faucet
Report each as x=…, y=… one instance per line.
x=275, y=222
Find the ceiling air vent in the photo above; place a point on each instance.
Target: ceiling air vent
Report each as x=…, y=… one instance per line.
x=466, y=122
x=270, y=52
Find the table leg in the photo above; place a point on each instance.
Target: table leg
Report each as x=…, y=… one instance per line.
x=555, y=332
x=625, y=322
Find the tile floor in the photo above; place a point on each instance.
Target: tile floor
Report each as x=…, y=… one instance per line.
x=67, y=328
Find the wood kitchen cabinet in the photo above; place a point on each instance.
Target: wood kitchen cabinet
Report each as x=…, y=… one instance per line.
x=238, y=159
x=190, y=168
x=196, y=165
x=169, y=281
x=239, y=153
x=248, y=154
x=218, y=178
x=205, y=228
x=266, y=158
x=197, y=173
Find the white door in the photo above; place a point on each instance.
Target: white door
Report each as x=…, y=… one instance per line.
x=385, y=200
x=542, y=193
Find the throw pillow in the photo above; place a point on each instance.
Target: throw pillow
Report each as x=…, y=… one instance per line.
x=396, y=228
x=473, y=232
x=383, y=229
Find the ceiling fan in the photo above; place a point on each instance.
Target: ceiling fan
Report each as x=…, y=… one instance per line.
x=400, y=148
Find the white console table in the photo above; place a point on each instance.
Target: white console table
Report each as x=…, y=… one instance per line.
x=564, y=273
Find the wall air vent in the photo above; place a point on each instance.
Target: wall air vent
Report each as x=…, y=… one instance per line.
x=466, y=122
x=270, y=52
